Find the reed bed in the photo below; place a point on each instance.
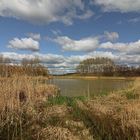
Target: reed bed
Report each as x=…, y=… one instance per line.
x=21, y=98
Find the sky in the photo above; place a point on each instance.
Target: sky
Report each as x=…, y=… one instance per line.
x=62, y=33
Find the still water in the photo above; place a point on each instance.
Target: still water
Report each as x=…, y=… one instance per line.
x=80, y=87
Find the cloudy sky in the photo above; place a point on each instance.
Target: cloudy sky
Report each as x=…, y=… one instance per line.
x=64, y=32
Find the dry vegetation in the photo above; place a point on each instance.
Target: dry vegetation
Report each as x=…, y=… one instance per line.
x=116, y=116
x=30, y=109
x=20, y=98
x=25, y=110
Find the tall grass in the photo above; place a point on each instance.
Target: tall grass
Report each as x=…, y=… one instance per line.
x=117, y=115
x=19, y=98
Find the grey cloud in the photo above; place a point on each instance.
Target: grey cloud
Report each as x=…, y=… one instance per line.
x=134, y=20
x=111, y=36
x=35, y=36
x=119, y=5
x=44, y=11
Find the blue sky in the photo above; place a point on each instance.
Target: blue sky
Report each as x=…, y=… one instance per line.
x=63, y=33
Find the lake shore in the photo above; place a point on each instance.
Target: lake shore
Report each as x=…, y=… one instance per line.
x=29, y=111
x=95, y=77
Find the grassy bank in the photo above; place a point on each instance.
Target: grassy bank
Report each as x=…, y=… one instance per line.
x=30, y=110
x=117, y=115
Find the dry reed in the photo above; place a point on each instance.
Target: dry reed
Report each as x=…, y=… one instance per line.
x=20, y=98
x=116, y=116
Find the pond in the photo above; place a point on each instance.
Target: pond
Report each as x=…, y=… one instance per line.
x=88, y=87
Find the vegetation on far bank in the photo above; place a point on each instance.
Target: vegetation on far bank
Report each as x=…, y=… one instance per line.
x=102, y=66
x=32, y=67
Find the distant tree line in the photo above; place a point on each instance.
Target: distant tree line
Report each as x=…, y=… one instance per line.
x=106, y=67
x=31, y=67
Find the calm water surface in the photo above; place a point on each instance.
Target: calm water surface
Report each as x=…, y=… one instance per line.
x=80, y=87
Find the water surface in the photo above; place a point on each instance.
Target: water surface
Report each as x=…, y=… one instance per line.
x=88, y=87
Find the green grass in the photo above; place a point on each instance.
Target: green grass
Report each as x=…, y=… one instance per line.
x=131, y=95
x=70, y=102
x=60, y=100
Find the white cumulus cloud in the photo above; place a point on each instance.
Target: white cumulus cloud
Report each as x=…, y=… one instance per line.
x=84, y=44
x=24, y=44
x=129, y=48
